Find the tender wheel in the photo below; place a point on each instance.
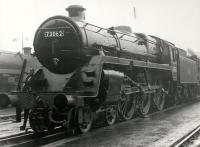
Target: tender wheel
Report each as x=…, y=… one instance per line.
x=159, y=99
x=193, y=93
x=185, y=96
x=111, y=115
x=126, y=106
x=85, y=119
x=144, y=104
x=177, y=96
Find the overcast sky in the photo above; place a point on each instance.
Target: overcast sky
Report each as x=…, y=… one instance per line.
x=177, y=21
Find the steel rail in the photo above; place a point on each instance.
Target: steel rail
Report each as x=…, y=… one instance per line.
x=7, y=118
x=29, y=138
x=185, y=138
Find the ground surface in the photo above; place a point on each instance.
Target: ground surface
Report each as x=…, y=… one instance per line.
x=157, y=130
x=8, y=127
x=154, y=131
x=7, y=111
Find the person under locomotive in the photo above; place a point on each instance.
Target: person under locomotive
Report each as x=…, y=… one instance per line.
x=26, y=111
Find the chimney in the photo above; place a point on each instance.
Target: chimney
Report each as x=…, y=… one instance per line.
x=76, y=12
x=27, y=50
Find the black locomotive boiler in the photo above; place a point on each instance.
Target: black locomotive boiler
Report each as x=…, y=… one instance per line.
x=88, y=70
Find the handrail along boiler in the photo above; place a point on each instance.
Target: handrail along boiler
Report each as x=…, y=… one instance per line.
x=88, y=70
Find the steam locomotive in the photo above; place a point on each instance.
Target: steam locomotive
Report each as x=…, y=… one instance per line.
x=89, y=71
x=10, y=68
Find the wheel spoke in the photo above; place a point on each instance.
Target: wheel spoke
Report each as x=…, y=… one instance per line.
x=85, y=119
x=159, y=99
x=111, y=115
x=127, y=108
x=122, y=105
x=127, y=102
x=124, y=109
x=144, y=104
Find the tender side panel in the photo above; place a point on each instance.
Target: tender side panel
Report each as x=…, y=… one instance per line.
x=187, y=70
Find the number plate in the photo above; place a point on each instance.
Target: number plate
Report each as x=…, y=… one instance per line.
x=54, y=34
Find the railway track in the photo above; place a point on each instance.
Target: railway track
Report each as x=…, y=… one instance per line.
x=30, y=139
x=8, y=114
x=188, y=139
x=9, y=118
x=6, y=118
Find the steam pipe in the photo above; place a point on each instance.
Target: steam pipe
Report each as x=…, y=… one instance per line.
x=62, y=100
